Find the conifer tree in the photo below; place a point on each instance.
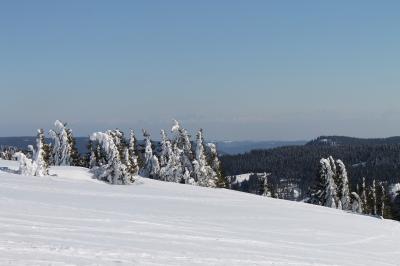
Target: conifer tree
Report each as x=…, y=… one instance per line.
x=214, y=162
x=151, y=166
x=131, y=154
x=42, y=155
x=334, y=169
x=265, y=189
x=356, y=203
x=110, y=168
x=64, y=150
x=324, y=192
x=364, y=196
x=373, y=198
x=182, y=143
x=381, y=197
x=343, y=186
x=26, y=165
x=166, y=149
x=204, y=174
x=170, y=162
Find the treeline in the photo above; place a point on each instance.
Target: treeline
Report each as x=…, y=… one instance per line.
x=117, y=160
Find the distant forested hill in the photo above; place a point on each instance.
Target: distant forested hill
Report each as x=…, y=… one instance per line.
x=370, y=158
x=342, y=140
x=224, y=147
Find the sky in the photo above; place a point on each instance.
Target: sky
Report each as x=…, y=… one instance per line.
x=241, y=70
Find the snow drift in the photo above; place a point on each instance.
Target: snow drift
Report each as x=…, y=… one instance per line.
x=73, y=219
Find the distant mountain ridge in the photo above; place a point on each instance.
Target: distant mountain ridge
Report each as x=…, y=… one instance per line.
x=224, y=147
x=343, y=140
x=233, y=147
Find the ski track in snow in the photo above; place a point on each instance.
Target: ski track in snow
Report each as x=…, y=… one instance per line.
x=72, y=219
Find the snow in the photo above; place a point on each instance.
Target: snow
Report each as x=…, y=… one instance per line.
x=73, y=219
x=394, y=189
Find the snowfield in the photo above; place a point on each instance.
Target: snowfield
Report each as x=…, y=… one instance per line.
x=72, y=219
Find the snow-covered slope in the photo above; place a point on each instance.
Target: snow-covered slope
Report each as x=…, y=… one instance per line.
x=72, y=219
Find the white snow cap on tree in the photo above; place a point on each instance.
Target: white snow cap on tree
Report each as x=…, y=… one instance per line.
x=62, y=148
x=38, y=166
x=170, y=164
x=166, y=149
x=114, y=171
x=175, y=127
x=131, y=155
x=373, y=196
x=333, y=165
x=330, y=186
x=356, y=203
x=26, y=166
x=151, y=166
x=39, y=156
x=182, y=141
x=204, y=174
x=172, y=171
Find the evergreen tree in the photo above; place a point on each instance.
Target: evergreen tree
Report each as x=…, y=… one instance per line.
x=343, y=186
x=265, y=189
x=214, y=162
x=364, y=196
x=42, y=155
x=172, y=171
x=131, y=155
x=203, y=173
x=166, y=149
x=64, y=150
x=151, y=166
x=26, y=166
x=76, y=159
x=324, y=192
x=182, y=142
x=381, y=195
x=111, y=169
x=373, y=198
x=356, y=205
x=334, y=169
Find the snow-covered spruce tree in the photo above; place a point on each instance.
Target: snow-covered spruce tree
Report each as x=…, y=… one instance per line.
x=173, y=171
x=373, y=198
x=343, y=186
x=112, y=170
x=203, y=172
x=213, y=160
x=131, y=155
x=356, y=205
x=364, y=196
x=383, y=199
x=324, y=191
x=151, y=167
x=41, y=156
x=64, y=151
x=96, y=155
x=26, y=165
x=165, y=149
x=330, y=186
x=182, y=142
x=170, y=162
x=265, y=186
x=76, y=159
x=334, y=169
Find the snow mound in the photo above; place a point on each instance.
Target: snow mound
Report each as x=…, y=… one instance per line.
x=70, y=219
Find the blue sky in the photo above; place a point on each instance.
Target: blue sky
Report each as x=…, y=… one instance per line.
x=261, y=70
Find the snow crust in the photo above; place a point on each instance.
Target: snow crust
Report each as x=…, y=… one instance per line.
x=73, y=219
